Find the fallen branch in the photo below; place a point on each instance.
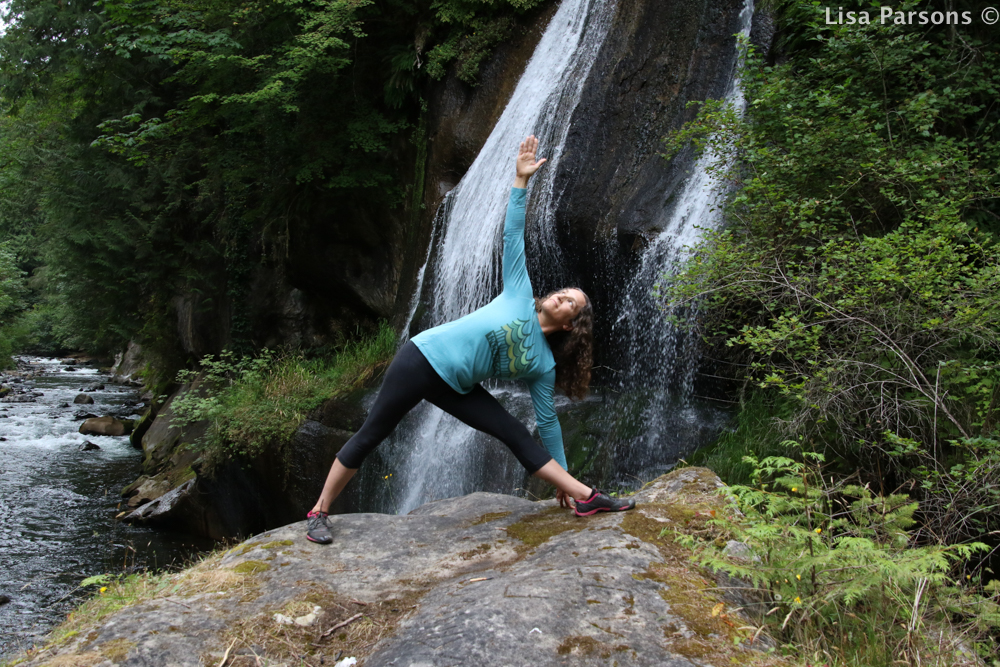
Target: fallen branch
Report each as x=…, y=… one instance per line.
x=225, y=656
x=340, y=625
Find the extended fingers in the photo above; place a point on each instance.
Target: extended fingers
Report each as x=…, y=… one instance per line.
x=529, y=145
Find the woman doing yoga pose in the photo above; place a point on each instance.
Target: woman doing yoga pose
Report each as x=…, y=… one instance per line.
x=543, y=342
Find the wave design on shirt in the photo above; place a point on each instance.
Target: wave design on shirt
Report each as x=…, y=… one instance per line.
x=509, y=346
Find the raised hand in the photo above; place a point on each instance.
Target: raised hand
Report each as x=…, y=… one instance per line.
x=526, y=164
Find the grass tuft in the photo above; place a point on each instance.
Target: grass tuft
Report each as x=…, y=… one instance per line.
x=254, y=403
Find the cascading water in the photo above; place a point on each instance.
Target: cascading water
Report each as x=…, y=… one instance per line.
x=660, y=362
x=465, y=271
x=431, y=455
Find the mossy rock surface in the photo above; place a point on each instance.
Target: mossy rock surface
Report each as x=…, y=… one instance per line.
x=484, y=579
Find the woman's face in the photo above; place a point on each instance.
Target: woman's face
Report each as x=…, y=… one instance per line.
x=564, y=305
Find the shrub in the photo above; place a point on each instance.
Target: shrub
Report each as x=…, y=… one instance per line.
x=840, y=575
x=857, y=274
x=254, y=402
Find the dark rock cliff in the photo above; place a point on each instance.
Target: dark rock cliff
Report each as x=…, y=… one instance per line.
x=614, y=190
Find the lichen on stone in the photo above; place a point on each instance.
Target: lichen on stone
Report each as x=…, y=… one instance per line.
x=277, y=543
x=583, y=645
x=536, y=529
x=117, y=650
x=490, y=516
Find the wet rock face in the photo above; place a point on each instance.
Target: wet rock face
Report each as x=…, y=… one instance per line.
x=128, y=364
x=484, y=580
x=658, y=56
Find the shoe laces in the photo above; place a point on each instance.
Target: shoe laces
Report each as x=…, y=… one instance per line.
x=317, y=518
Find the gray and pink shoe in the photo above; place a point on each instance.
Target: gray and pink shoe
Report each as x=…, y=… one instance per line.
x=602, y=502
x=318, y=528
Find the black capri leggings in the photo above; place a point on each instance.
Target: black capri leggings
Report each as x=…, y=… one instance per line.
x=411, y=378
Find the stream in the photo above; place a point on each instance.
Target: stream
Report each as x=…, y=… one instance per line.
x=58, y=503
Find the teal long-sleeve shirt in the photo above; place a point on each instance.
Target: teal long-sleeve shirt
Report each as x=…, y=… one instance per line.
x=503, y=339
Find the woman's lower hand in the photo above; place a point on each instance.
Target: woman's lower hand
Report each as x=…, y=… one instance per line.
x=564, y=499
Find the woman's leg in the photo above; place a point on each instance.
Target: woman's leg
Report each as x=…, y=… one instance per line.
x=554, y=474
x=408, y=379
x=336, y=480
x=482, y=412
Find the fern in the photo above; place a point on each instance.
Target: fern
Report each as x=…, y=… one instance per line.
x=828, y=557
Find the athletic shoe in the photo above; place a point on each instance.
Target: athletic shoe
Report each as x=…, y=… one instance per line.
x=602, y=502
x=318, y=528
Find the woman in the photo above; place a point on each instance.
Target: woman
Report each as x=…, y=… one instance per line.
x=508, y=338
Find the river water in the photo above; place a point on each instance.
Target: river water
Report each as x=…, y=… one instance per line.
x=58, y=503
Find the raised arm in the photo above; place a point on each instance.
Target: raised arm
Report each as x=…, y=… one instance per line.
x=515, y=270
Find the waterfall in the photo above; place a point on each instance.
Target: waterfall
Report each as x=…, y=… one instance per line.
x=462, y=270
x=465, y=266
x=659, y=357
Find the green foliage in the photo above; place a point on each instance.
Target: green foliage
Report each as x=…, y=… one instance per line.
x=857, y=275
x=478, y=26
x=257, y=402
x=11, y=290
x=832, y=562
x=960, y=487
x=96, y=580
x=156, y=149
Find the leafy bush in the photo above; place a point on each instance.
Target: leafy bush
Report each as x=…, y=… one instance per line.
x=961, y=494
x=256, y=402
x=839, y=574
x=857, y=275
x=856, y=280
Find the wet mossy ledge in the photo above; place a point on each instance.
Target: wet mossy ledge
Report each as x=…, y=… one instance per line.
x=483, y=579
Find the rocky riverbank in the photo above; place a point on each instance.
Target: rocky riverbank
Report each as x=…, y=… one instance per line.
x=484, y=579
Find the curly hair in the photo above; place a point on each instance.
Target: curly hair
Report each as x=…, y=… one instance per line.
x=574, y=349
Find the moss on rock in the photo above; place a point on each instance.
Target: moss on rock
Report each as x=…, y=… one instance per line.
x=251, y=567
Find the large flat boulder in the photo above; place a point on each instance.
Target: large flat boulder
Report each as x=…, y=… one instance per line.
x=481, y=580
